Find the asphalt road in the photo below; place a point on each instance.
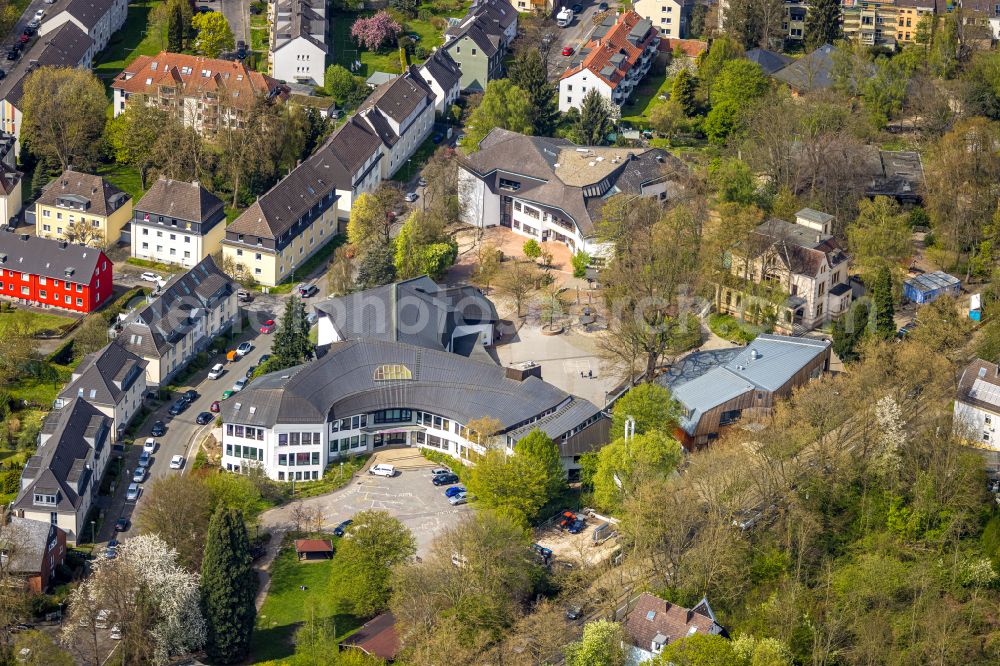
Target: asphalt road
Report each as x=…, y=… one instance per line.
x=183, y=434
x=574, y=35
x=9, y=39
x=237, y=13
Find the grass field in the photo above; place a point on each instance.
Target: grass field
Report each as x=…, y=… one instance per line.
x=345, y=50
x=288, y=605
x=124, y=177
x=130, y=42
x=33, y=322
x=645, y=99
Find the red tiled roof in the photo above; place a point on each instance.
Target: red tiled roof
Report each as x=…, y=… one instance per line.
x=313, y=546
x=196, y=75
x=377, y=637
x=653, y=616
x=612, y=42
x=691, y=47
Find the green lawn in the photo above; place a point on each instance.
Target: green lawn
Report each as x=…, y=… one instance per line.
x=645, y=98
x=35, y=322
x=124, y=177
x=287, y=605
x=130, y=42
x=259, y=34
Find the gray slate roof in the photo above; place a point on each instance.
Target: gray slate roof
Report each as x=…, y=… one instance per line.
x=305, y=19
x=416, y=312
x=60, y=465
x=769, y=61
x=64, y=47
x=103, y=197
x=778, y=358
x=29, y=541
x=443, y=69
x=104, y=376
x=396, y=99
x=810, y=72
x=342, y=383
x=47, y=257
x=184, y=201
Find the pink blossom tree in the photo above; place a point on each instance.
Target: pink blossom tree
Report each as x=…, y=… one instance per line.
x=375, y=31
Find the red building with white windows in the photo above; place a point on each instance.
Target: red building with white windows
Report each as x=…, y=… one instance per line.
x=53, y=274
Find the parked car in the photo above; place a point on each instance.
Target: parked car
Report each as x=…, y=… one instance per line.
x=149, y=446
x=437, y=138
x=445, y=479
x=34, y=23
x=410, y=197
x=40, y=14
x=121, y=524
x=454, y=490
x=422, y=182
x=440, y=470
x=341, y=528
x=268, y=326
x=238, y=386
x=243, y=349
x=244, y=296
x=179, y=406
x=543, y=553
x=216, y=371
x=227, y=394
x=241, y=49
x=177, y=462
x=577, y=8
x=116, y=633
x=150, y=276
x=603, y=7
x=231, y=356
x=574, y=613
x=264, y=358
x=567, y=50
x=23, y=39
x=159, y=429
x=460, y=498
x=250, y=371
x=312, y=318
x=144, y=459
x=215, y=407
x=906, y=329
x=29, y=31
x=190, y=396
x=13, y=54
x=3, y=75
x=139, y=475
x=101, y=622
x=577, y=526
x=566, y=518
x=305, y=290
x=204, y=418
x=383, y=470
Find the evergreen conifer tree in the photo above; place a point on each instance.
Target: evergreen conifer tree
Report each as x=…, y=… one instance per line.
x=822, y=23
x=883, y=326
x=528, y=73
x=228, y=588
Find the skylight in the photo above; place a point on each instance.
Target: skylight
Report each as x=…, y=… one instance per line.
x=392, y=371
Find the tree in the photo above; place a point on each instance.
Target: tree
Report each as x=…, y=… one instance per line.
x=542, y=454
x=503, y=105
x=177, y=508
x=377, y=267
x=510, y=483
x=82, y=232
x=710, y=62
x=741, y=81
x=849, y=330
x=696, y=26
x=822, y=23
x=532, y=250
x=214, y=33
x=347, y=89
x=882, y=300
x=528, y=73
x=175, y=27
x=733, y=180
x=133, y=135
x=721, y=121
x=340, y=279
x=668, y=118
x=364, y=562
x=517, y=281
x=372, y=217
x=487, y=267
x=597, y=118
x=291, y=341
x=879, y=237
x=151, y=598
x=251, y=149
x=422, y=248
x=698, y=650
x=580, y=262
x=376, y=31
x=64, y=115
x=650, y=405
x=228, y=588
x=623, y=467
x=756, y=22
x=407, y=7
x=602, y=644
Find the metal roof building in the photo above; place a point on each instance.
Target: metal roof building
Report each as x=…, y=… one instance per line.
x=929, y=286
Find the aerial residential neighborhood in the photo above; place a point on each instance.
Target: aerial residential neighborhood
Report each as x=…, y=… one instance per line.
x=499, y=332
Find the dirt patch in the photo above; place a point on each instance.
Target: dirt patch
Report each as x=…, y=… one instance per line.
x=576, y=548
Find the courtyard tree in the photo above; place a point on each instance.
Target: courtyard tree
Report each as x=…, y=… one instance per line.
x=517, y=281
x=528, y=73
x=291, y=341
x=133, y=135
x=177, y=508
x=542, y=453
x=597, y=118
x=63, y=109
x=503, y=105
x=879, y=237
x=364, y=562
x=650, y=405
x=372, y=217
x=512, y=483
x=822, y=23
x=228, y=588
x=214, y=33
x=376, y=31
x=624, y=466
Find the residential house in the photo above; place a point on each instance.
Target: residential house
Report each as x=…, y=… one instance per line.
x=82, y=207
x=61, y=481
x=613, y=62
x=813, y=71
x=66, y=46
x=479, y=40
x=32, y=550
x=53, y=274
x=977, y=405
x=670, y=17
x=553, y=190
x=10, y=188
x=297, y=48
x=99, y=19
x=718, y=388
x=401, y=113
x=190, y=311
x=177, y=222
x=801, y=261
x=653, y=623
x=769, y=61
x=444, y=77
x=207, y=94
x=894, y=173
x=909, y=14
x=980, y=20
x=794, y=24
x=456, y=319
x=113, y=380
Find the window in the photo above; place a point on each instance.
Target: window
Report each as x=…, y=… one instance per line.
x=392, y=371
x=41, y=498
x=511, y=185
x=393, y=416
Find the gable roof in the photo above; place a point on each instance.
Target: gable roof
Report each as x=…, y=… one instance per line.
x=103, y=197
x=182, y=200
x=28, y=541
x=653, y=618
x=66, y=46
x=769, y=61
x=615, y=46
x=809, y=72
x=49, y=258
x=800, y=249
x=377, y=637
x=442, y=68
x=87, y=12
x=396, y=99
x=153, y=330
x=59, y=466
x=300, y=19
x=105, y=376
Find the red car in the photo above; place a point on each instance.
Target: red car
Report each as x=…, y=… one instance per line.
x=268, y=326
x=24, y=39
x=567, y=50
x=215, y=407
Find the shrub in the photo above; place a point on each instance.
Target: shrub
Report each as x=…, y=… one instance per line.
x=729, y=328
x=580, y=261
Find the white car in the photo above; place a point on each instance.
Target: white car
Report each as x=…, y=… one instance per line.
x=132, y=494
x=116, y=631
x=238, y=386
x=243, y=349
x=410, y=197
x=150, y=276
x=34, y=23
x=149, y=446
x=177, y=462
x=216, y=371
x=440, y=470
x=139, y=475
x=102, y=619
x=383, y=470
x=39, y=15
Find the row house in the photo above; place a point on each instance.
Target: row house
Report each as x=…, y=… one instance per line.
x=613, y=62
x=444, y=77
x=82, y=207
x=113, y=380
x=177, y=222
x=53, y=274
x=479, y=41
x=297, y=48
x=671, y=17
x=207, y=94
x=98, y=19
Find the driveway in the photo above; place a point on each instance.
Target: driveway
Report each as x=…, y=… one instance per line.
x=237, y=13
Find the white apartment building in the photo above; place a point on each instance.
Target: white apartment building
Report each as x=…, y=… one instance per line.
x=670, y=17
x=298, y=47
x=177, y=222
x=444, y=76
x=113, y=380
x=977, y=405
x=98, y=19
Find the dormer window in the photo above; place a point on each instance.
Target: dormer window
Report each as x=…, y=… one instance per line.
x=46, y=499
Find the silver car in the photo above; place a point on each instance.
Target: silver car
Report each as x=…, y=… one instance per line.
x=133, y=492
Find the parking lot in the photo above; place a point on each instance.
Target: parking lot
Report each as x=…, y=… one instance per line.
x=409, y=496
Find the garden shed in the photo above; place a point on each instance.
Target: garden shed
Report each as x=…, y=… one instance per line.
x=927, y=287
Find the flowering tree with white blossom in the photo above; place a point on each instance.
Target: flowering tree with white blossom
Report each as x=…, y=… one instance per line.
x=153, y=600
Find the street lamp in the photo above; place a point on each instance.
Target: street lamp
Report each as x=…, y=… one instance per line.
x=93, y=532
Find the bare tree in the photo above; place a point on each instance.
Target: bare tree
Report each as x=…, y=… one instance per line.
x=517, y=281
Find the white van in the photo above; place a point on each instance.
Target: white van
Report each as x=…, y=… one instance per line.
x=383, y=470
x=564, y=17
